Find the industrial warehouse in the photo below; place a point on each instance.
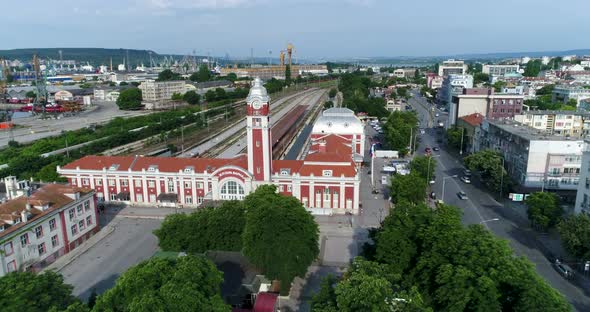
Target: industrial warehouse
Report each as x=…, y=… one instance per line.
x=326, y=181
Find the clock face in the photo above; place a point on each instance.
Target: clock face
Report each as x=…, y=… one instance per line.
x=256, y=104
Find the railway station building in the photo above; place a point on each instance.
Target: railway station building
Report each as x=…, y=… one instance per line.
x=326, y=181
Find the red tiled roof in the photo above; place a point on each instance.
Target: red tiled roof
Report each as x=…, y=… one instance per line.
x=53, y=195
x=99, y=162
x=265, y=302
x=293, y=165
x=473, y=119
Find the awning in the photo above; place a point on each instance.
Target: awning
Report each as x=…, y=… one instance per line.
x=168, y=198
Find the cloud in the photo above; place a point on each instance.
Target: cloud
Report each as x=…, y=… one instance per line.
x=197, y=4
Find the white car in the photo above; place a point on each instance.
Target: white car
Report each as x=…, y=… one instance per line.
x=466, y=179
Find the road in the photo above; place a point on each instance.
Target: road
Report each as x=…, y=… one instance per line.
x=481, y=208
x=234, y=130
x=35, y=128
x=311, y=98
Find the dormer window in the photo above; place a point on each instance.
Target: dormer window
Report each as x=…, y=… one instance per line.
x=285, y=171
x=152, y=168
x=189, y=170
x=114, y=167
x=327, y=173
x=2, y=228
x=17, y=220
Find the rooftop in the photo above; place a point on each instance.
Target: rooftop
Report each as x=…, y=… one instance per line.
x=473, y=119
x=527, y=132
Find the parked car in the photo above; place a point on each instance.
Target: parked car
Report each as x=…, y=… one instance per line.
x=436, y=115
x=467, y=173
x=462, y=195
x=466, y=179
x=563, y=269
x=436, y=148
x=433, y=195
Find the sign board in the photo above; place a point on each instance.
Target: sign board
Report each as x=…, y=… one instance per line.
x=516, y=196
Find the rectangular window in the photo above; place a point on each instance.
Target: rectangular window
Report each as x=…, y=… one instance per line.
x=79, y=209
x=99, y=182
x=327, y=194
x=288, y=188
x=52, y=225
x=170, y=187
x=89, y=221
x=11, y=266
x=24, y=239
x=199, y=200
x=187, y=185
x=8, y=250
x=72, y=213
x=327, y=173
x=139, y=197
x=87, y=205
x=257, y=143
x=113, y=197
x=54, y=241
x=188, y=199
x=85, y=182
x=39, y=231
x=112, y=182
x=281, y=188
x=41, y=248
x=81, y=225
x=74, y=229
x=151, y=183
x=200, y=185
x=137, y=183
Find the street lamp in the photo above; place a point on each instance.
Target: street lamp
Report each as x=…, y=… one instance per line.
x=443, y=187
x=461, y=146
x=490, y=220
x=428, y=171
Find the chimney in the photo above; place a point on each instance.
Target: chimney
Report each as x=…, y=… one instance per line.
x=24, y=216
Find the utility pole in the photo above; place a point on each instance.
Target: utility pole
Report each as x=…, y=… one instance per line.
x=461, y=146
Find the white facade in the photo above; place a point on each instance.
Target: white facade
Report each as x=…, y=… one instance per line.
x=583, y=194
x=500, y=70
x=565, y=93
x=42, y=231
x=452, y=67
x=154, y=91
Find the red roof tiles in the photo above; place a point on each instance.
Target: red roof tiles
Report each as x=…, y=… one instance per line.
x=473, y=119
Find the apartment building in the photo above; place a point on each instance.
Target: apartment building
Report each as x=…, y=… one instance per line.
x=534, y=159
x=453, y=85
x=405, y=72
x=452, y=67
x=583, y=192
x=500, y=70
x=486, y=102
x=565, y=93
x=433, y=81
x=155, y=91
x=564, y=123
x=37, y=229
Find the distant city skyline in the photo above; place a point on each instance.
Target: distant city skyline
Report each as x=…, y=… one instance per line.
x=318, y=29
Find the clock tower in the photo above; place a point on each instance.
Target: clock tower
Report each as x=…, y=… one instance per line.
x=258, y=132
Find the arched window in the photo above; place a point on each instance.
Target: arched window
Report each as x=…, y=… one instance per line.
x=232, y=190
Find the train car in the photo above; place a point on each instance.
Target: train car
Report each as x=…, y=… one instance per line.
x=285, y=128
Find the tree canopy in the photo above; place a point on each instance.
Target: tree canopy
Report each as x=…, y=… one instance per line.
x=543, y=209
x=130, y=99
x=27, y=291
x=423, y=166
x=332, y=93
x=168, y=75
x=205, y=229
x=202, y=75
x=488, y=164
x=192, y=97
x=575, y=235
x=410, y=187
x=280, y=236
x=355, y=92
x=533, y=68
x=186, y=283
x=398, y=129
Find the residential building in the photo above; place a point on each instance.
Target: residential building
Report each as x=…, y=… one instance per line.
x=453, y=85
x=392, y=105
x=327, y=181
x=563, y=93
x=434, y=81
x=500, y=70
x=157, y=91
x=404, y=72
x=534, y=159
x=471, y=127
x=275, y=71
x=564, y=123
x=583, y=192
x=486, y=102
x=452, y=67
x=35, y=230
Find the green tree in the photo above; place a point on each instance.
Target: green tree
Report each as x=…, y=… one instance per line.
x=85, y=85
x=328, y=104
x=454, y=137
x=168, y=75
x=288, y=74
x=176, y=97
x=423, y=166
x=409, y=187
x=210, y=95
x=31, y=94
x=488, y=164
x=130, y=99
x=480, y=78
x=499, y=85
x=192, y=97
x=48, y=173
x=575, y=234
x=332, y=93
x=186, y=283
x=533, y=68
x=27, y=291
x=92, y=298
x=400, y=129
x=274, y=224
x=220, y=94
x=123, y=83
x=202, y=75
x=232, y=77
x=204, y=230
x=543, y=209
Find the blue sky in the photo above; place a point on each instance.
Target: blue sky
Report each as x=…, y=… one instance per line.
x=317, y=28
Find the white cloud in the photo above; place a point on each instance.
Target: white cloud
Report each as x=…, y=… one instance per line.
x=197, y=4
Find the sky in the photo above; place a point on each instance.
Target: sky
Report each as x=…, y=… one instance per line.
x=321, y=29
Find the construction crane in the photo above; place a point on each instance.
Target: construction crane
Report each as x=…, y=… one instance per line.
x=289, y=51
x=41, y=84
x=4, y=80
